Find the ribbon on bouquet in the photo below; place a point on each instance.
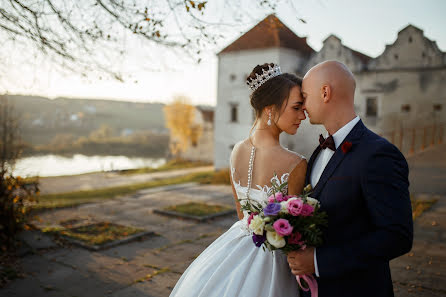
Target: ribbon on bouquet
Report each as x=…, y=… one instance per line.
x=312, y=284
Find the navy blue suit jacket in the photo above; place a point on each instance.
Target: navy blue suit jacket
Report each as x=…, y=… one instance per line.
x=365, y=194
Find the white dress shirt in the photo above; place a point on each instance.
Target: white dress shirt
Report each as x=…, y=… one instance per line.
x=324, y=157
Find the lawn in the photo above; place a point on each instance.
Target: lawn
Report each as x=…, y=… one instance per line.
x=171, y=165
x=80, y=197
x=198, y=209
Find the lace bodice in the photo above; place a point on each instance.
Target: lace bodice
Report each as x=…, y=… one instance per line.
x=257, y=192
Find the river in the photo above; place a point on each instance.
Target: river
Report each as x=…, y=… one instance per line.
x=55, y=165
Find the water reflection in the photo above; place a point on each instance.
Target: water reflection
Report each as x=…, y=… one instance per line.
x=54, y=165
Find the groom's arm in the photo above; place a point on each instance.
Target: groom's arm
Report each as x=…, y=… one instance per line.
x=384, y=181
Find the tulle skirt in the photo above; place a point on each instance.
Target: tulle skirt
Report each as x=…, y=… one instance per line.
x=233, y=266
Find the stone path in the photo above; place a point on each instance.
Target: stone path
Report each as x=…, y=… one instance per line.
x=53, y=270
x=422, y=272
x=72, y=271
x=100, y=180
x=152, y=266
x=427, y=171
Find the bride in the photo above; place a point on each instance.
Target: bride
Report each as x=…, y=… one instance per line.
x=232, y=265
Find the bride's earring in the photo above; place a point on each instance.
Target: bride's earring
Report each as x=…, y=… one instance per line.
x=269, y=119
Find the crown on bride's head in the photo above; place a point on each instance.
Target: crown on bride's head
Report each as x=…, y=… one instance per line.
x=267, y=74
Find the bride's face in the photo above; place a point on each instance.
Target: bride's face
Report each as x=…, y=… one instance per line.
x=292, y=113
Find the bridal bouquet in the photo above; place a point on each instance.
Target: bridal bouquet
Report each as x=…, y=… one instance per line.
x=287, y=223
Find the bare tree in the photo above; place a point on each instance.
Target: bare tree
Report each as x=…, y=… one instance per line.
x=10, y=141
x=85, y=36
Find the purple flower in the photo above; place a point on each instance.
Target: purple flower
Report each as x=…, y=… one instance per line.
x=307, y=210
x=272, y=209
x=283, y=227
x=295, y=207
x=258, y=239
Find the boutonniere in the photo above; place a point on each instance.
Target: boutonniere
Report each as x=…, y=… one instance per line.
x=346, y=147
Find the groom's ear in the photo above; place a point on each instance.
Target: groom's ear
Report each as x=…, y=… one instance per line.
x=326, y=93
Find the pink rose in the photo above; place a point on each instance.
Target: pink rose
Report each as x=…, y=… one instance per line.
x=307, y=210
x=288, y=197
x=251, y=217
x=295, y=207
x=280, y=197
x=295, y=238
x=271, y=199
x=283, y=227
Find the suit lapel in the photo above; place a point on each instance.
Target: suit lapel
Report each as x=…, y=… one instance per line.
x=353, y=137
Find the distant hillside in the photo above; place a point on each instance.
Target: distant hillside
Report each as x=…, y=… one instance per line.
x=43, y=118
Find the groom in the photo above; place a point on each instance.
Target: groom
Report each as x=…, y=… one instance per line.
x=361, y=181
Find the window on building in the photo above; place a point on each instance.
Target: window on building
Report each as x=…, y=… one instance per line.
x=395, y=56
x=410, y=39
x=232, y=77
x=234, y=113
x=405, y=108
x=437, y=107
x=372, y=107
x=423, y=54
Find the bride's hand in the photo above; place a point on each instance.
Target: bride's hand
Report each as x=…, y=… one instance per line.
x=302, y=262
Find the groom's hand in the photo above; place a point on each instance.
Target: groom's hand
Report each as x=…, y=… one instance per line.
x=302, y=262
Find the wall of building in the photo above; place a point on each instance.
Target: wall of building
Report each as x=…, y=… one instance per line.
x=333, y=49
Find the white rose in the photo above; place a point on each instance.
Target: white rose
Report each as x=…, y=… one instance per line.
x=275, y=239
x=257, y=225
x=267, y=219
x=313, y=202
x=284, y=207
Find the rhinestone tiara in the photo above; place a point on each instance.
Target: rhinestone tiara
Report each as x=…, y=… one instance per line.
x=271, y=72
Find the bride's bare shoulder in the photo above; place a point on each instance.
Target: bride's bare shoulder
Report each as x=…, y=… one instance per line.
x=290, y=157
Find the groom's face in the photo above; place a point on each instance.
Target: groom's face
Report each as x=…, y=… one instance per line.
x=312, y=99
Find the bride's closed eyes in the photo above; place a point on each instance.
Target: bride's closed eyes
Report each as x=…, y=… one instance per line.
x=298, y=105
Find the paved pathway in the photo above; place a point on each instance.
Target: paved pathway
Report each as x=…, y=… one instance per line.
x=427, y=171
x=72, y=271
x=99, y=180
x=53, y=270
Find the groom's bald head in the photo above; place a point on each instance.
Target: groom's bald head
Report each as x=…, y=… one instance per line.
x=328, y=89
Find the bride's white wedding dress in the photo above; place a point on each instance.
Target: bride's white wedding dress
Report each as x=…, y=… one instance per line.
x=233, y=266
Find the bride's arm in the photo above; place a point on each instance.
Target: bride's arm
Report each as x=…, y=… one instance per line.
x=237, y=203
x=296, y=180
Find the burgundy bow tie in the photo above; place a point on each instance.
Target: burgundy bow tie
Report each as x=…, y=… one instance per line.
x=329, y=142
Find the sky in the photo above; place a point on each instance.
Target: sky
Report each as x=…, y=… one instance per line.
x=365, y=26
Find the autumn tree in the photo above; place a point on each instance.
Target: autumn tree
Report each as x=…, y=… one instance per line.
x=104, y=132
x=181, y=120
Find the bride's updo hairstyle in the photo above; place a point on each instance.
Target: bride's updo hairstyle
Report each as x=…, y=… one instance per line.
x=272, y=92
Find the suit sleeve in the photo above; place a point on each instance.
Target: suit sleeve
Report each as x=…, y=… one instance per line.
x=384, y=183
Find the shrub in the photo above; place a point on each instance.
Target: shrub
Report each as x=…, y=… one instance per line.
x=16, y=195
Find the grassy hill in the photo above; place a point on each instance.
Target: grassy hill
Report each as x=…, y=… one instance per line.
x=43, y=118
x=69, y=125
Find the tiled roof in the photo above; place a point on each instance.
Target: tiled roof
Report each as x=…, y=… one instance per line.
x=270, y=33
